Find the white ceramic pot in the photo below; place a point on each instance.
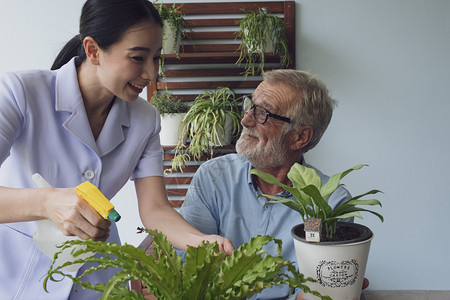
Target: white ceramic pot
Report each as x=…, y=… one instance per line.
x=337, y=267
x=171, y=129
x=171, y=43
x=268, y=48
x=226, y=134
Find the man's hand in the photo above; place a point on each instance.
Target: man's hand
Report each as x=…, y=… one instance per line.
x=225, y=245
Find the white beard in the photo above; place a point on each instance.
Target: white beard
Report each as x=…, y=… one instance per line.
x=270, y=156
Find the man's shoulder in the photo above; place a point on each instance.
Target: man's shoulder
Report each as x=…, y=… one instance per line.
x=224, y=160
x=232, y=162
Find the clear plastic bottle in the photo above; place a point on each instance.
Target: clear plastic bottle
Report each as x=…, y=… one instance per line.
x=48, y=236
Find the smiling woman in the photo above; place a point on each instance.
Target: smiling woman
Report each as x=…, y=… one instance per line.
x=124, y=68
x=83, y=120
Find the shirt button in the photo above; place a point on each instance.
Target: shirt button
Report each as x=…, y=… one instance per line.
x=266, y=206
x=89, y=174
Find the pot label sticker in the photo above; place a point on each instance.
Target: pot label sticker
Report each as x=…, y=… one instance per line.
x=337, y=274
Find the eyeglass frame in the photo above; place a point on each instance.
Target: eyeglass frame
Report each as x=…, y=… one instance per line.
x=266, y=112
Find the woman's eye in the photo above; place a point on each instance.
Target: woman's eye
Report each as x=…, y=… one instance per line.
x=157, y=58
x=137, y=59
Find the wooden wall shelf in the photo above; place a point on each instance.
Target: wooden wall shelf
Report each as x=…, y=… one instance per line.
x=211, y=48
x=209, y=61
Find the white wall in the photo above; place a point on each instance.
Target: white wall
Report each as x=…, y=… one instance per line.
x=388, y=65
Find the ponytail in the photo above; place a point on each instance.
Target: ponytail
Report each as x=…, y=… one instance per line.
x=73, y=48
x=106, y=21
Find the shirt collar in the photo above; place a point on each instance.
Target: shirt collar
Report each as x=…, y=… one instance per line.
x=251, y=179
x=68, y=98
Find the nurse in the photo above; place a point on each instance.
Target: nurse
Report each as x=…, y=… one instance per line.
x=83, y=120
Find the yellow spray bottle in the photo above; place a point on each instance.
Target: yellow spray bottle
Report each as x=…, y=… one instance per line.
x=48, y=236
x=97, y=200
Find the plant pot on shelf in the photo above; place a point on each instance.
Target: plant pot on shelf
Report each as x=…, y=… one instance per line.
x=225, y=135
x=211, y=121
x=266, y=47
x=172, y=111
x=171, y=40
x=171, y=128
x=337, y=266
x=173, y=25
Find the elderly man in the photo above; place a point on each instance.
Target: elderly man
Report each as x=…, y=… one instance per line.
x=285, y=117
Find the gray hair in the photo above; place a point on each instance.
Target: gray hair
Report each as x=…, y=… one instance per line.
x=313, y=106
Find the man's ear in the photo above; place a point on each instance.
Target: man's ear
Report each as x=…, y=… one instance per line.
x=302, y=137
x=92, y=50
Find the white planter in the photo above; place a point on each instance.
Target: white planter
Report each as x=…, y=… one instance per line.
x=269, y=48
x=171, y=129
x=337, y=267
x=170, y=42
x=226, y=135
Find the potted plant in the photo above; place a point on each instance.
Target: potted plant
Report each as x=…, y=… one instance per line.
x=261, y=32
x=205, y=274
x=211, y=121
x=172, y=112
x=337, y=264
x=173, y=21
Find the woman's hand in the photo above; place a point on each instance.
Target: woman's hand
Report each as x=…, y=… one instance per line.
x=74, y=216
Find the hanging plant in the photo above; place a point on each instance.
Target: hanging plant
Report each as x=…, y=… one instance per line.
x=172, y=16
x=258, y=31
x=205, y=124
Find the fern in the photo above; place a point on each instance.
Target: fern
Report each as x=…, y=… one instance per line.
x=205, y=274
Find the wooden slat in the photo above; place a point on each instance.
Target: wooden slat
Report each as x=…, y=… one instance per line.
x=204, y=72
x=214, y=22
x=191, y=97
x=192, y=23
x=211, y=35
x=177, y=180
x=211, y=58
x=207, y=85
x=176, y=192
x=170, y=156
x=289, y=20
x=228, y=7
x=211, y=48
x=176, y=203
x=191, y=168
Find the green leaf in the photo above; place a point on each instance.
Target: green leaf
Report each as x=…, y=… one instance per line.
x=269, y=178
x=301, y=176
x=311, y=197
x=202, y=266
x=324, y=210
x=291, y=203
x=334, y=182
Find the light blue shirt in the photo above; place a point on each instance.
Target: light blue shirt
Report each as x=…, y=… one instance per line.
x=222, y=199
x=44, y=128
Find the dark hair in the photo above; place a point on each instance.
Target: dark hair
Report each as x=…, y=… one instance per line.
x=106, y=21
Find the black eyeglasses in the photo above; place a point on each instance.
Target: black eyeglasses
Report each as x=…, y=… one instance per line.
x=260, y=113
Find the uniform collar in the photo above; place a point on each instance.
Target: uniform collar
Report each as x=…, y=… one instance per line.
x=69, y=99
